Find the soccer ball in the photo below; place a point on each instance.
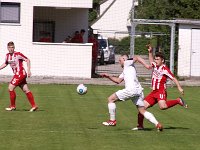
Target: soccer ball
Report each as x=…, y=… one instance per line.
x=81, y=89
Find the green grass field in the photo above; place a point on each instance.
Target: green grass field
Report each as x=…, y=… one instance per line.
x=68, y=121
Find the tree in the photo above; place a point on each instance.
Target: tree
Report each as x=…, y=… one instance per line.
x=168, y=9
x=93, y=12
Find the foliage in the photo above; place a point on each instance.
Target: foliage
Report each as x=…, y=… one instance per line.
x=168, y=9
x=92, y=15
x=123, y=46
x=93, y=12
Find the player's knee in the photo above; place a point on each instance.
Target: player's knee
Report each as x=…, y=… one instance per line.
x=111, y=99
x=26, y=91
x=10, y=88
x=163, y=107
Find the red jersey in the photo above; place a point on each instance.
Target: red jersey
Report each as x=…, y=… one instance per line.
x=16, y=62
x=159, y=76
x=94, y=47
x=77, y=39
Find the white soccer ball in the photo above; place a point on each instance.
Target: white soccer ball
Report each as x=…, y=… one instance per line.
x=81, y=89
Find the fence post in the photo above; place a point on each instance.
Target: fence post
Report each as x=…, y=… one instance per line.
x=172, y=48
x=132, y=40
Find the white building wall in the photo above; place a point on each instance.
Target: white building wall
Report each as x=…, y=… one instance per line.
x=184, y=51
x=57, y=3
x=46, y=59
x=64, y=3
x=105, y=5
x=64, y=59
x=114, y=20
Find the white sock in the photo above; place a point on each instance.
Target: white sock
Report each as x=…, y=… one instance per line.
x=149, y=116
x=112, y=110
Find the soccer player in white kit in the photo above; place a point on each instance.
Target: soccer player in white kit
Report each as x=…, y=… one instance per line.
x=132, y=90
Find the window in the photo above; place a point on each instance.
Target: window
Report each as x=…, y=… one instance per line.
x=9, y=12
x=43, y=31
x=102, y=43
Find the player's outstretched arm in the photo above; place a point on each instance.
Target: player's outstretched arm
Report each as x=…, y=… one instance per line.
x=178, y=86
x=28, y=67
x=3, y=66
x=150, y=50
x=112, y=78
x=142, y=61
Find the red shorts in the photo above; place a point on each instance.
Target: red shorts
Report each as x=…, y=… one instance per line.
x=18, y=80
x=155, y=96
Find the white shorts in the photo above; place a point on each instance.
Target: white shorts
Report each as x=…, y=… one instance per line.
x=137, y=97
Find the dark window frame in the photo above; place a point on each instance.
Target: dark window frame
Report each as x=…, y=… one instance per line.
x=10, y=4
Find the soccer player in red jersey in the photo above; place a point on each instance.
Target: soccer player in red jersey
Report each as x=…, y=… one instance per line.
x=15, y=60
x=92, y=39
x=158, y=95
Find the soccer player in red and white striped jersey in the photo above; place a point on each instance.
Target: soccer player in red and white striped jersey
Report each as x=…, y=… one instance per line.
x=15, y=60
x=158, y=95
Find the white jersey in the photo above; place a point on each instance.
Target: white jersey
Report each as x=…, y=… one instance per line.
x=130, y=77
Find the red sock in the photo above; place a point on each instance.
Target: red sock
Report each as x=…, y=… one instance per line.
x=12, y=98
x=172, y=103
x=31, y=99
x=140, y=120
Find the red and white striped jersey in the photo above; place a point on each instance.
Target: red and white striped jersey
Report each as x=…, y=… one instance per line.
x=159, y=76
x=16, y=62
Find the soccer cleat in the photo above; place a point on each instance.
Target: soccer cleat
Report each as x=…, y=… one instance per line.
x=110, y=123
x=10, y=108
x=33, y=109
x=137, y=128
x=182, y=102
x=159, y=127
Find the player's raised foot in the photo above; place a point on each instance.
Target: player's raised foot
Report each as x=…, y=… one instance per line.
x=33, y=109
x=159, y=127
x=137, y=128
x=10, y=108
x=110, y=123
x=182, y=102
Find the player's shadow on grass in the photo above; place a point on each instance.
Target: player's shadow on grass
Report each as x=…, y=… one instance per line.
x=174, y=128
x=167, y=128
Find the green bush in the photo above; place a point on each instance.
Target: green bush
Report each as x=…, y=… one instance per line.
x=123, y=45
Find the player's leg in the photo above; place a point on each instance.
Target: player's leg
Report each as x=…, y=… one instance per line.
x=149, y=101
x=112, y=110
x=12, y=94
x=138, y=100
x=179, y=100
x=29, y=95
x=149, y=116
x=165, y=104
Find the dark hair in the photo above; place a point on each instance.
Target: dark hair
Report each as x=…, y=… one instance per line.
x=161, y=55
x=11, y=43
x=82, y=30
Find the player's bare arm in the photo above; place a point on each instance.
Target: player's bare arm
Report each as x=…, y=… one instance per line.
x=178, y=86
x=112, y=78
x=150, y=50
x=3, y=66
x=142, y=61
x=28, y=67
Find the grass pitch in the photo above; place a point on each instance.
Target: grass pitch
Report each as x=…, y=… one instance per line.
x=68, y=121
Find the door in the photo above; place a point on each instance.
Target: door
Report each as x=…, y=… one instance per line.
x=195, y=53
